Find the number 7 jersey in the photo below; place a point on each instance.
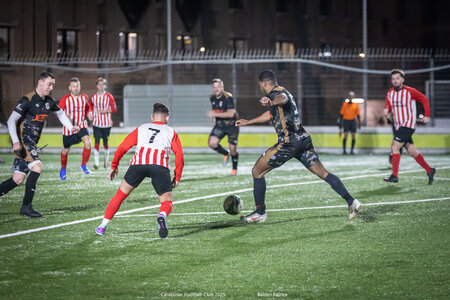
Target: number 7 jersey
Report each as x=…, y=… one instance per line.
x=154, y=142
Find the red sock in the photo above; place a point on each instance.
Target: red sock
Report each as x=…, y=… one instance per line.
x=86, y=155
x=395, y=163
x=166, y=207
x=97, y=147
x=63, y=161
x=421, y=161
x=114, y=204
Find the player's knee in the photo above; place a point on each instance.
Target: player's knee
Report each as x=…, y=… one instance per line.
x=212, y=144
x=65, y=151
x=256, y=173
x=37, y=168
x=18, y=178
x=87, y=144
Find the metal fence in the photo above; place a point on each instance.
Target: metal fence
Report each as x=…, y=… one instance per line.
x=319, y=79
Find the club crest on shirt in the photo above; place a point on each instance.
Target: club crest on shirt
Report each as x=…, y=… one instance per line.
x=47, y=106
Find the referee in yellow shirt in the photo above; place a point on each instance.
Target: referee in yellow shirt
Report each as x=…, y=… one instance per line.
x=347, y=121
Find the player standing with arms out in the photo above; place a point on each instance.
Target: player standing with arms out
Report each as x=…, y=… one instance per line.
x=25, y=126
x=154, y=142
x=347, y=120
x=76, y=106
x=401, y=102
x=293, y=142
x=102, y=104
x=224, y=114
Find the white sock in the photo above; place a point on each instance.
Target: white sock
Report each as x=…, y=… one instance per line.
x=96, y=157
x=104, y=222
x=162, y=214
x=107, y=155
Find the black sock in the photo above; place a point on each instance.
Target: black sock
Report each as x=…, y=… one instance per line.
x=344, y=141
x=30, y=187
x=6, y=186
x=234, y=159
x=338, y=187
x=259, y=192
x=221, y=150
x=353, y=143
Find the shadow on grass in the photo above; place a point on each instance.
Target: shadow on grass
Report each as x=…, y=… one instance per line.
x=370, y=214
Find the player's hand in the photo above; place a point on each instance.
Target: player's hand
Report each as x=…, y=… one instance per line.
x=425, y=120
x=241, y=122
x=75, y=129
x=211, y=114
x=113, y=173
x=174, y=183
x=265, y=101
x=90, y=116
x=340, y=133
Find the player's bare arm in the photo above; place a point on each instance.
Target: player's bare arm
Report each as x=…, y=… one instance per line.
x=279, y=100
x=265, y=117
x=227, y=114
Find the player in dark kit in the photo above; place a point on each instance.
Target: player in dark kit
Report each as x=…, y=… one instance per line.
x=224, y=113
x=293, y=142
x=25, y=126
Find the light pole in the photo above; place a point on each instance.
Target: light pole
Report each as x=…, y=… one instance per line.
x=365, y=88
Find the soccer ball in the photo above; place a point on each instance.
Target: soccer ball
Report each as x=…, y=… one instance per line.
x=233, y=205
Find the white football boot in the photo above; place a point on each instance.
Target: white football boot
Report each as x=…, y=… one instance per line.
x=354, y=209
x=254, y=217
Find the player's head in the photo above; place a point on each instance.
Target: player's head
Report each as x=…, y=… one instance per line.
x=160, y=113
x=45, y=84
x=397, y=78
x=351, y=95
x=267, y=81
x=100, y=84
x=75, y=86
x=217, y=85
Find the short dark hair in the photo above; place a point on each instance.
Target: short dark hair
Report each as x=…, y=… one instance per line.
x=217, y=80
x=100, y=79
x=44, y=75
x=398, y=71
x=159, y=108
x=74, y=79
x=267, y=75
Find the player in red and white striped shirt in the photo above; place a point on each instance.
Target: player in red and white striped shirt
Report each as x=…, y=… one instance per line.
x=102, y=104
x=153, y=142
x=401, y=102
x=76, y=107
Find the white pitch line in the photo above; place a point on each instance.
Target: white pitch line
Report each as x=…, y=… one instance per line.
x=296, y=208
x=191, y=200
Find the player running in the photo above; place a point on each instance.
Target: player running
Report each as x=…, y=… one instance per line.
x=347, y=121
x=25, y=126
x=102, y=104
x=401, y=102
x=154, y=142
x=293, y=142
x=224, y=114
x=76, y=107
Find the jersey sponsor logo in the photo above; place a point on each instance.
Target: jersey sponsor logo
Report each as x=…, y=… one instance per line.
x=40, y=118
x=19, y=106
x=47, y=106
x=37, y=104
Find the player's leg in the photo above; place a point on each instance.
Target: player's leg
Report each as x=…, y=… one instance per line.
x=233, y=133
x=395, y=149
x=97, y=135
x=11, y=183
x=163, y=186
x=344, y=142
x=310, y=159
x=105, y=135
x=412, y=151
x=86, y=139
x=30, y=188
x=68, y=141
x=215, y=137
x=353, y=132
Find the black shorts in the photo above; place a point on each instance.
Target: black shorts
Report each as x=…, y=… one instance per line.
x=26, y=157
x=101, y=133
x=302, y=149
x=404, y=135
x=350, y=126
x=70, y=140
x=160, y=177
x=220, y=131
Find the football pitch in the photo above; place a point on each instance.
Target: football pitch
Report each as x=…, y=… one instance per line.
x=399, y=247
